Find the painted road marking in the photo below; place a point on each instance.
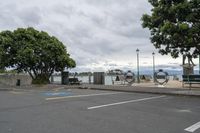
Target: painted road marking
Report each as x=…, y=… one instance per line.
x=89, y=95
x=124, y=102
x=16, y=92
x=193, y=127
x=57, y=89
x=57, y=93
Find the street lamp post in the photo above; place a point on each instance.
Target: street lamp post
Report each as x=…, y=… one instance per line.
x=199, y=63
x=153, y=54
x=138, y=75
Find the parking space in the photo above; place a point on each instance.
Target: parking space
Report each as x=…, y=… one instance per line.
x=89, y=111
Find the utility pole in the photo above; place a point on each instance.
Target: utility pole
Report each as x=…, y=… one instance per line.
x=153, y=54
x=138, y=74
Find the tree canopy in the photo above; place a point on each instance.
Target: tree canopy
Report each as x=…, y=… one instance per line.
x=35, y=52
x=174, y=26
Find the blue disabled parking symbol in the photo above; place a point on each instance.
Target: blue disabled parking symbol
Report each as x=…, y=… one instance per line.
x=57, y=93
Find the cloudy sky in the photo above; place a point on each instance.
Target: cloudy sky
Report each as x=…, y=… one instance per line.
x=99, y=34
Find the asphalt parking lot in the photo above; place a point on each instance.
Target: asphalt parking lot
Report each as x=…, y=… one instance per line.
x=94, y=111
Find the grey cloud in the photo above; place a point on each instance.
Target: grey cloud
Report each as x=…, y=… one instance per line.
x=112, y=65
x=102, y=33
x=7, y=16
x=64, y=10
x=169, y=67
x=86, y=35
x=30, y=16
x=12, y=16
x=107, y=3
x=174, y=63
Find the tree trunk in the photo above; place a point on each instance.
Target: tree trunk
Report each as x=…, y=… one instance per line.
x=41, y=79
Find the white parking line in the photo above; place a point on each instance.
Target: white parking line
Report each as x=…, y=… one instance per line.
x=131, y=101
x=193, y=127
x=89, y=95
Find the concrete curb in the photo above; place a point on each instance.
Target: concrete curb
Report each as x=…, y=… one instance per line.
x=138, y=91
x=10, y=89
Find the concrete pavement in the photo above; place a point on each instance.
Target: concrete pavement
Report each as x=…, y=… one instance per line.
x=171, y=88
x=97, y=111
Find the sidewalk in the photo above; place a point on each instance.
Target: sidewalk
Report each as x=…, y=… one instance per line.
x=48, y=87
x=171, y=88
x=6, y=88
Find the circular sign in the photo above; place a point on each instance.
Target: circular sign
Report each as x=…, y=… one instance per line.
x=130, y=77
x=161, y=77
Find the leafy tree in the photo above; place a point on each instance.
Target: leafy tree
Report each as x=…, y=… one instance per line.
x=174, y=26
x=34, y=52
x=5, y=48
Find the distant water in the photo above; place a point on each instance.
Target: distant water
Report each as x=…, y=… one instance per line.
x=85, y=79
x=108, y=79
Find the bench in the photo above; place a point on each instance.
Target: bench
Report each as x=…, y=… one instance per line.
x=190, y=79
x=74, y=81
